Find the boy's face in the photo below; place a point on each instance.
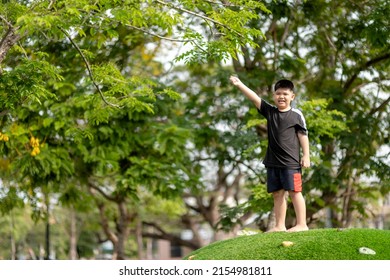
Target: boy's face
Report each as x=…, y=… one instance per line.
x=282, y=98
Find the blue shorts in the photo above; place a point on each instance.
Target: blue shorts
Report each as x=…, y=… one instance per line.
x=283, y=178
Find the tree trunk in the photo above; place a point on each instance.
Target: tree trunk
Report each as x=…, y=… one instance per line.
x=347, y=202
x=73, y=235
x=13, y=245
x=7, y=42
x=149, y=249
x=122, y=230
x=138, y=236
x=271, y=220
x=47, y=234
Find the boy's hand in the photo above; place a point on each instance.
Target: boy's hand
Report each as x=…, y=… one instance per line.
x=305, y=162
x=234, y=80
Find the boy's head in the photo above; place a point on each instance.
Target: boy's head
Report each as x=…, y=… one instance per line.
x=284, y=84
x=284, y=94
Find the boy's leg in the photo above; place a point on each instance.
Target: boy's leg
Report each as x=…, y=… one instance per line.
x=300, y=211
x=280, y=208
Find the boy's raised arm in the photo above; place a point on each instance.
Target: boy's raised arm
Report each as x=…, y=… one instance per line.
x=250, y=94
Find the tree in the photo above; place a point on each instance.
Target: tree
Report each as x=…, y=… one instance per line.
x=68, y=84
x=337, y=51
x=85, y=103
x=355, y=79
x=224, y=126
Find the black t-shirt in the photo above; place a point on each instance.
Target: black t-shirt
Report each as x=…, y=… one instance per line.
x=283, y=144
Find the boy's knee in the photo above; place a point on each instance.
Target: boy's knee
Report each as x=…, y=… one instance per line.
x=280, y=193
x=294, y=193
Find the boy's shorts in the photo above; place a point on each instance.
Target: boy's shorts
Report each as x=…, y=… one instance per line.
x=283, y=178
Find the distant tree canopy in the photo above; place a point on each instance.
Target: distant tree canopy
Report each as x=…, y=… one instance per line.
x=84, y=112
x=123, y=110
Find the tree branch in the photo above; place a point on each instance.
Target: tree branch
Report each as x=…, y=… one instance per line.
x=380, y=107
x=99, y=190
x=9, y=39
x=10, y=26
x=105, y=224
x=167, y=236
x=285, y=33
x=3, y=113
x=201, y=16
x=89, y=69
x=158, y=36
x=366, y=65
x=167, y=38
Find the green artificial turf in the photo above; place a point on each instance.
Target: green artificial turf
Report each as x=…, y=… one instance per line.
x=316, y=244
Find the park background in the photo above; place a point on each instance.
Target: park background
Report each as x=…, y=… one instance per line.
x=122, y=138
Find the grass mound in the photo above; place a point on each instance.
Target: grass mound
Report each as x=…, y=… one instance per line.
x=316, y=244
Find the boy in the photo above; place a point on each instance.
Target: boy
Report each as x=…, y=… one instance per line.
x=287, y=133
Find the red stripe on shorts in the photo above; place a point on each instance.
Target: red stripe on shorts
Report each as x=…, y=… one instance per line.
x=297, y=182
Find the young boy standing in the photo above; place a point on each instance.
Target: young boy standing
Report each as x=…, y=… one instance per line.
x=287, y=133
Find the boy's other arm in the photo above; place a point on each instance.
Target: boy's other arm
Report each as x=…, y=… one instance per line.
x=304, y=142
x=250, y=94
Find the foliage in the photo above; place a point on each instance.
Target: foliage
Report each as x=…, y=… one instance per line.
x=331, y=50
x=92, y=118
x=28, y=236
